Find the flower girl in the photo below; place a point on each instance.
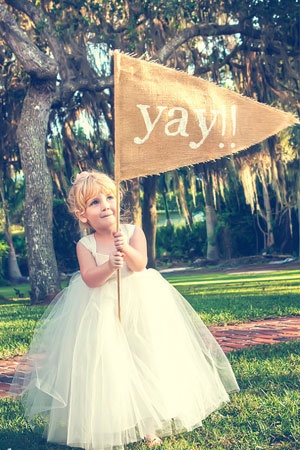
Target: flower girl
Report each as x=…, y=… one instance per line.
x=101, y=382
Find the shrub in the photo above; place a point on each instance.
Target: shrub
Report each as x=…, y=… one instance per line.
x=3, y=252
x=180, y=243
x=21, y=252
x=65, y=236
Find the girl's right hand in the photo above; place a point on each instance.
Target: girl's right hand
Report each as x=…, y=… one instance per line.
x=116, y=259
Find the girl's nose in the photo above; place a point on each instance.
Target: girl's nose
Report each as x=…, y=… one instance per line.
x=104, y=205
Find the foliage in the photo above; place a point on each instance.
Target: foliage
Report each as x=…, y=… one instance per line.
x=3, y=252
x=21, y=251
x=18, y=239
x=180, y=244
x=237, y=234
x=250, y=46
x=65, y=236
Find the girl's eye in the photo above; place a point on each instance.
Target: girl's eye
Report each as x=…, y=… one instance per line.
x=110, y=197
x=94, y=202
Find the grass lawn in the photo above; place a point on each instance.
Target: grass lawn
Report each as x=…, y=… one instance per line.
x=264, y=415
x=231, y=298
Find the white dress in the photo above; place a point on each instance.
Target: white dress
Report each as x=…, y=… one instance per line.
x=102, y=383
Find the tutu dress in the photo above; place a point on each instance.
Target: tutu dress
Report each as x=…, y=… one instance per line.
x=102, y=383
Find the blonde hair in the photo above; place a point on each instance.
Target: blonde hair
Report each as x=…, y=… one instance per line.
x=88, y=185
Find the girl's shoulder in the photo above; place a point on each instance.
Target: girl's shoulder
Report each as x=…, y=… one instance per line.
x=88, y=242
x=128, y=229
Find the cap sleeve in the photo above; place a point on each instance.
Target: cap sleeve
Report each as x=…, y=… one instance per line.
x=128, y=230
x=89, y=243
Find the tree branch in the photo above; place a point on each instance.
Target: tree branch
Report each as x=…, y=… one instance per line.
x=197, y=30
x=34, y=61
x=81, y=84
x=23, y=49
x=243, y=27
x=226, y=60
x=44, y=25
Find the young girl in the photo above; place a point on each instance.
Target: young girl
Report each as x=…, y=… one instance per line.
x=103, y=383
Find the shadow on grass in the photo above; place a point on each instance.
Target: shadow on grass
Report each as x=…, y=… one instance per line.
x=25, y=441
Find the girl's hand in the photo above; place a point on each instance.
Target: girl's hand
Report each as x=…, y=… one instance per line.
x=119, y=241
x=116, y=260
x=133, y=252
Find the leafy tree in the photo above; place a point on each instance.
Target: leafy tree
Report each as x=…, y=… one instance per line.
x=60, y=52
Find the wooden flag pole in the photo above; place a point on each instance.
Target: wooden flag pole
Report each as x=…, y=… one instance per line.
x=118, y=228
x=117, y=175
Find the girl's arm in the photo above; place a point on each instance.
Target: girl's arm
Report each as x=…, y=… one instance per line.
x=92, y=274
x=134, y=253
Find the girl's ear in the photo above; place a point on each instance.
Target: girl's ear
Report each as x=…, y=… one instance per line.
x=81, y=216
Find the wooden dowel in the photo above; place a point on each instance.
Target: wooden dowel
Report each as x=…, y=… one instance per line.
x=118, y=228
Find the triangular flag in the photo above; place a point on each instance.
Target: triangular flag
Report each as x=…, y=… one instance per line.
x=165, y=119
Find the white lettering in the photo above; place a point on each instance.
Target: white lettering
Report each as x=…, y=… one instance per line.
x=203, y=127
x=149, y=125
x=205, y=120
x=181, y=122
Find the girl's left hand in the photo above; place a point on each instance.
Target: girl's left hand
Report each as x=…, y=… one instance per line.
x=116, y=259
x=119, y=241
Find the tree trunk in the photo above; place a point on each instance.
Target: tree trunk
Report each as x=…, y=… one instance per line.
x=268, y=216
x=226, y=240
x=168, y=218
x=150, y=217
x=211, y=223
x=182, y=198
x=31, y=135
x=298, y=207
x=133, y=199
x=212, y=253
x=14, y=273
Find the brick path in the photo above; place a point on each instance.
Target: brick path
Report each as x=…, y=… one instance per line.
x=230, y=337
x=259, y=332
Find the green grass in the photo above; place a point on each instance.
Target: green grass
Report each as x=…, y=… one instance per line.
x=14, y=293
x=17, y=323
x=264, y=415
x=218, y=298
x=226, y=298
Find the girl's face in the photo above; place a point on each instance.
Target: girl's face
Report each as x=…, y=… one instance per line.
x=100, y=212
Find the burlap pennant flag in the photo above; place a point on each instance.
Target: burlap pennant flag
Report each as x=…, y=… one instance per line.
x=165, y=119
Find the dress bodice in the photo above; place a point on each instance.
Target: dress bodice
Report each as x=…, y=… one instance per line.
x=102, y=381
x=90, y=243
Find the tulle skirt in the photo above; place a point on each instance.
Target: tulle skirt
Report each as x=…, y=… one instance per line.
x=102, y=383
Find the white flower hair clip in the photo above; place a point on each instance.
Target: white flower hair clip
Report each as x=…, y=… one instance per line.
x=80, y=176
